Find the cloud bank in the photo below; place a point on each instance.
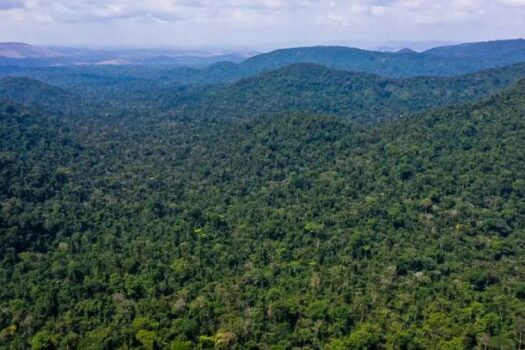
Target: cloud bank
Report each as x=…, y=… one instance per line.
x=245, y=22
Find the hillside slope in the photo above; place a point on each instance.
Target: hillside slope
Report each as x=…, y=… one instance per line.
x=36, y=94
x=314, y=89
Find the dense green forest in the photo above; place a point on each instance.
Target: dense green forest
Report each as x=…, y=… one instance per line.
x=296, y=200
x=300, y=88
x=159, y=223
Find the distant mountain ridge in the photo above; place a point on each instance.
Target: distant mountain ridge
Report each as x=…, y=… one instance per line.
x=449, y=60
x=502, y=52
x=228, y=66
x=21, y=50
x=343, y=58
x=25, y=55
x=403, y=63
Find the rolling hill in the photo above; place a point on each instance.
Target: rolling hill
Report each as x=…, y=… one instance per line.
x=297, y=88
x=314, y=89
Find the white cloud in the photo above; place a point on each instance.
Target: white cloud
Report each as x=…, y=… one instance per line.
x=176, y=10
x=513, y=2
x=168, y=10
x=340, y=11
x=250, y=21
x=408, y=11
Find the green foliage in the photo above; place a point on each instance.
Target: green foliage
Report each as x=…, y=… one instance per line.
x=365, y=336
x=155, y=230
x=181, y=345
x=43, y=340
x=148, y=339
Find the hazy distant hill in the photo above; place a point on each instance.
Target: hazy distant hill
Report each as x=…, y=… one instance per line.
x=351, y=59
x=25, y=55
x=450, y=60
x=229, y=66
x=490, y=52
x=22, y=50
x=403, y=63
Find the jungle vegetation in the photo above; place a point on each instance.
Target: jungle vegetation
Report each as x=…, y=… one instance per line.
x=342, y=211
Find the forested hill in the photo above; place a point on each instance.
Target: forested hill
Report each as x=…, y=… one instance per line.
x=351, y=59
x=450, y=60
x=37, y=94
x=285, y=232
x=314, y=89
x=498, y=52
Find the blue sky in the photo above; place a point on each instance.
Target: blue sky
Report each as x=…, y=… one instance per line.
x=256, y=23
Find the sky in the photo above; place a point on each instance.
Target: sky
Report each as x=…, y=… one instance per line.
x=256, y=23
